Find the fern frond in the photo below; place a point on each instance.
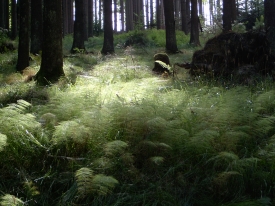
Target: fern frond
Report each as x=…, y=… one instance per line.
x=3, y=141
x=31, y=189
x=157, y=160
x=84, y=180
x=103, y=184
x=164, y=65
x=10, y=200
x=70, y=131
x=90, y=184
x=20, y=106
x=116, y=147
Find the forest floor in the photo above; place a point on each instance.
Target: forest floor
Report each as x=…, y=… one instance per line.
x=113, y=133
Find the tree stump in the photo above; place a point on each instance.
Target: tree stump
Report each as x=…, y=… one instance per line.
x=162, y=63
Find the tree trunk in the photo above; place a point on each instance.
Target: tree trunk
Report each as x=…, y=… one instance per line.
x=269, y=17
x=85, y=18
x=184, y=26
x=79, y=24
x=65, y=15
x=151, y=14
x=108, y=44
x=171, y=42
x=194, y=36
x=4, y=14
x=129, y=15
x=188, y=15
x=122, y=15
x=51, y=68
x=227, y=15
x=13, y=19
x=200, y=7
x=90, y=18
x=177, y=13
x=70, y=16
x=115, y=15
x=36, y=26
x=23, y=47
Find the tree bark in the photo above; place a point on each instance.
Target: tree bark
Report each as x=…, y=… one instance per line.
x=65, y=15
x=194, y=36
x=13, y=19
x=85, y=17
x=23, y=47
x=79, y=24
x=269, y=18
x=90, y=18
x=129, y=15
x=36, y=26
x=227, y=15
x=108, y=44
x=122, y=15
x=51, y=68
x=171, y=42
x=184, y=26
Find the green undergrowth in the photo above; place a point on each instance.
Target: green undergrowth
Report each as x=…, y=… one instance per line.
x=113, y=133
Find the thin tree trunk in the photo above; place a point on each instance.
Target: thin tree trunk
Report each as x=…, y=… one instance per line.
x=79, y=31
x=13, y=19
x=194, y=36
x=269, y=8
x=23, y=47
x=108, y=44
x=184, y=26
x=70, y=16
x=171, y=42
x=151, y=13
x=227, y=15
x=122, y=15
x=90, y=18
x=115, y=15
x=85, y=19
x=36, y=26
x=65, y=16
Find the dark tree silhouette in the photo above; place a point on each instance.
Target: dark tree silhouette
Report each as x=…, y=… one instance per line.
x=90, y=18
x=171, y=42
x=194, y=35
x=51, y=68
x=13, y=19
x=23, y=47
x=79, y=28
x=229, y=14
x=108, y=44
x=269, y=17
x=36, y=26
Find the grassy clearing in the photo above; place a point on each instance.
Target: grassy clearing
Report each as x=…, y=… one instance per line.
x=112, y=133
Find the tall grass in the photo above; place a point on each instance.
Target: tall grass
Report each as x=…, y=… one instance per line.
x=119, y=135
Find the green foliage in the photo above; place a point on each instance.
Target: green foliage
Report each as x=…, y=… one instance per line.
x=259, y=24
x=118, y=135
x=90, y=184
x=10, y=200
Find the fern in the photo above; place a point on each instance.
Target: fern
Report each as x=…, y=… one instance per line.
x=90, y=184
x=10, y=200
x=103, y=184
x=30, y=189
x=71, y=137
x=164, y=65
x=115, y=148
x=157, y=160
x=3, y=141
x=84, y=179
